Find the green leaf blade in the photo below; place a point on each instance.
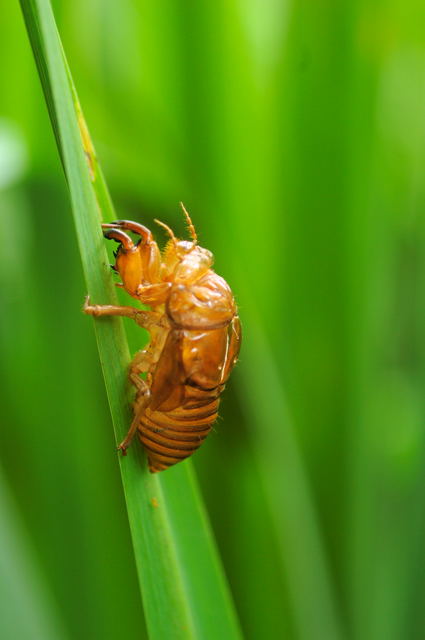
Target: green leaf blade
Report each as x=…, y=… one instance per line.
x=182, y=582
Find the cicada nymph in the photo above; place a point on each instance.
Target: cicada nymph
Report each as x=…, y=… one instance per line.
x=195, y=337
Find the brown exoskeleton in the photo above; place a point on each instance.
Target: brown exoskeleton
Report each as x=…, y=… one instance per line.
x=195, y=337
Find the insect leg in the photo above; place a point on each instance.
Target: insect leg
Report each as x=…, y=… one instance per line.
x=136, y=227
x=145, y=319
x=140, y=364
x=142, y=399
x=141, y=361
x=119, y=236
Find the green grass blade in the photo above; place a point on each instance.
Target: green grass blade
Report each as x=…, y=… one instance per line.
x=184, y=590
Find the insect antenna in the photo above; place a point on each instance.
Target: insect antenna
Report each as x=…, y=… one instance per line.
x=168, y=230
x=189, y=224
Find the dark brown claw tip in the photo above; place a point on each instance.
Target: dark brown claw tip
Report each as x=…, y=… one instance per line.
x=122, y=449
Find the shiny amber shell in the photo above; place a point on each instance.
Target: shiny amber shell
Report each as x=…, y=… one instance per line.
x=195, y=336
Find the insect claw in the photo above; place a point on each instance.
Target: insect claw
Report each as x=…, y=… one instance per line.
x=111, y=225
x=118, y=236
x=129, y=225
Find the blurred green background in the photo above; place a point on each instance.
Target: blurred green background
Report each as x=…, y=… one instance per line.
x=295, y=134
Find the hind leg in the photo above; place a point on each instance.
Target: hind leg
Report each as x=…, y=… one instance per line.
x=141, y=363
x=142, y=399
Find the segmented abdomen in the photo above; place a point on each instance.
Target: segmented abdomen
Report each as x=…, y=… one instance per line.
x=171, y=436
